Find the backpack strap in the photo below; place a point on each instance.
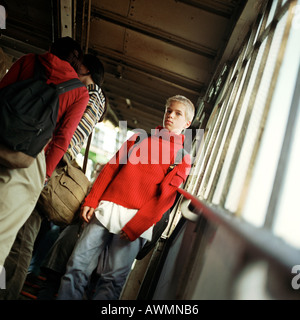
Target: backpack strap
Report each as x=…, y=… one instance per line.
x=139, y=138
x=69, y=85
x=181, y=153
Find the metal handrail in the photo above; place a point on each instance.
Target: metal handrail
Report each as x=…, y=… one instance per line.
x=262, y=240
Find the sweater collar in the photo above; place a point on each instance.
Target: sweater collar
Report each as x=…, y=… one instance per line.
x=165, y=134
x=93, y=87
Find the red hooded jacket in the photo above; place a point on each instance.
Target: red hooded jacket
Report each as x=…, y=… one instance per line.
x=71, y=104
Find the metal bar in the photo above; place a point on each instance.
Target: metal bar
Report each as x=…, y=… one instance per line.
x=137, y=89
x=18, y=48
x=74, y=18
x=88, y=27
x=220, y=9
x=262, y=240
x=153, y=32
x=169, y=77
x=66, y=18
x=52, y=22
x=82, y=23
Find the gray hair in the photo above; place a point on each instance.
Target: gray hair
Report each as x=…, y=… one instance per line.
x=190, y=109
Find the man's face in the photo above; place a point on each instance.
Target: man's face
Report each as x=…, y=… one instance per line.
x=83, y=72
x=174, y=118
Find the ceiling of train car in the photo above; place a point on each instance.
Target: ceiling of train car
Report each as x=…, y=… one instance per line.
x=150, y=49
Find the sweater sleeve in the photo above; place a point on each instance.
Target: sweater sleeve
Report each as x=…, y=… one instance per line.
x=109, y=171
x=63, y=135
x=153, y=210
x=90, y=118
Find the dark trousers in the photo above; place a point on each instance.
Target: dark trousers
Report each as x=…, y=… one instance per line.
x=18, y=260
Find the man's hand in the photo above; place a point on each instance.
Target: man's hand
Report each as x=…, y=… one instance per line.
x=87, y=213
x=124, y=236
x=46, y=180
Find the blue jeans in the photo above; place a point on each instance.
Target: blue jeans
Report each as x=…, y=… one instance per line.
x=46, y=237
x=84, y=260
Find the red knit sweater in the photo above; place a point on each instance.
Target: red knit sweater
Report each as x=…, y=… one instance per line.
x=142, y=182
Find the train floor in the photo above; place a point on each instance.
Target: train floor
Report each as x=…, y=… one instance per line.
x=33, y=285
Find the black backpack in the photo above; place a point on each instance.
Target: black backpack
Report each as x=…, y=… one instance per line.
x=29, y=110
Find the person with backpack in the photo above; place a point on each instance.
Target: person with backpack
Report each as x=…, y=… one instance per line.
x=21, y=187
x=91, y=74
x=128, y=198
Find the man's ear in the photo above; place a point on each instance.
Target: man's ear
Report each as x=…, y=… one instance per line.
x=188, y=124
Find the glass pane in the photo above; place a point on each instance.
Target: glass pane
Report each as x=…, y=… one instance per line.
x=228, y=157
x=239, y=128
x=272, y=12
x=288, y=218
x=267, y=160
x=255, y=123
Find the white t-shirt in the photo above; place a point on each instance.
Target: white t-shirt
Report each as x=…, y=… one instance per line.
x=114, y=217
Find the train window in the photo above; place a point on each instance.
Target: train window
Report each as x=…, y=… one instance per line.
x=284, y=218
x=259, y=106
x=267, y=159
x=234, y=134
x=238, y=166
x=287, y=221
x=272, y=11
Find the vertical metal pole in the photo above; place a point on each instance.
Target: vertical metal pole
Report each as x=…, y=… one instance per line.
x=74, y=18
x=88, y=27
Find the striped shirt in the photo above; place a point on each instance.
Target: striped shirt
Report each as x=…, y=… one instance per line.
x=90, y=118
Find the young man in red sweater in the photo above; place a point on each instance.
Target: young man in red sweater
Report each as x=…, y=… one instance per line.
x=130, y=195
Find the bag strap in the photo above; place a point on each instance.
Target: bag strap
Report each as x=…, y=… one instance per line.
x=181, y=153
x=67, y=159
x=178, y=159
x=69, y=85
x=86, y=154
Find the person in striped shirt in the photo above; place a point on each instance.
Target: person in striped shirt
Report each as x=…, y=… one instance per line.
x=92, y=75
